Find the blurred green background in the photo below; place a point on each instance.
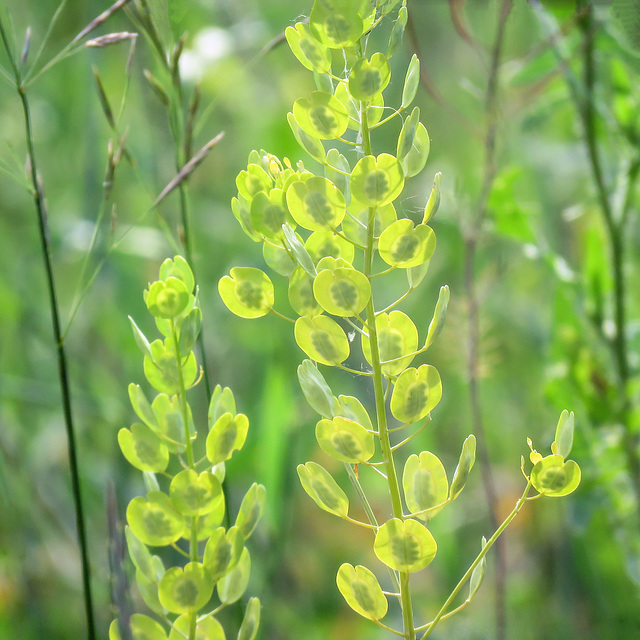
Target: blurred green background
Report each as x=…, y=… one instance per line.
x=542, y=266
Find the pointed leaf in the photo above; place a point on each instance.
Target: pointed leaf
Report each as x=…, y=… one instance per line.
x=465, y=464
x=315, y=389
x=439, y=315
x=564, y=434
x=411, y=81
x=251, y=622
x=251, y=509
x=232, y=585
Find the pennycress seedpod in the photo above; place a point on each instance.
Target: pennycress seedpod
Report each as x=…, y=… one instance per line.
x=340, y=236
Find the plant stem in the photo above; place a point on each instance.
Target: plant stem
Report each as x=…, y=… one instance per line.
x=63, y=375
x=182, y=393
x=616, y=235
x=492, y=540
x=378, y=387
x=471, y=246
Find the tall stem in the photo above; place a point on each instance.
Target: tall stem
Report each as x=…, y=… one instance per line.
x=616, y=235
x=471, y=246
x=378, y=387
x=63, y=375
x=182, y=394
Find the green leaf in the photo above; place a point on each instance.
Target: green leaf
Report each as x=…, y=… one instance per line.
x=268, y=213
x=241, y=210
x=321, y=116
x=247, y=292
x=439, y=315
x=416, y=393
x=167, y=299
x=251, y=621
x=307, y=48
x=360, y=588
x=140, y=338
x=227, y=435
x=477, y=574
x=368, y=78
x=425, y=484
x=338, y=170
x=252, y=181
x=316, y=204
x=554, y=477
x=356, y=222
x=563, y=441
x=405, y=545
x=251, y=509
x=206, y=629
x=433, y=203
x=149, y=589
x=301, y=293
x=170, y=421
x=189, y=330
x=143, y=449
x=402, y=245
x=195, y=494
x=345, y=440
x=232, y=585
x=139, y=554
x=411, y=81
x=376, y=181
x=222, y=401
x=315, y=389
x=142, y=628
x=323, y=489
x=311, y=145
x=375, y=110
x=419, y=145
x=397, y=337
x=465, y=464
x=342, y=292
x=162, y=370
x=185, y=590
x=322, y=339
x=141, y=405
x=298, y=250
x=155, y=520
x=326, y=243
x=397, y=31
x=178, y=268
x=336, y=24
x=222, y=551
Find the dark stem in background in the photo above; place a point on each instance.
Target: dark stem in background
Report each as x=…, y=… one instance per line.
x=65, y=389
x=471, y=240
x=616, y=235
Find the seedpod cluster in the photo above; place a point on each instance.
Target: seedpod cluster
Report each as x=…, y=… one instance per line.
x=335, y=236
x=184, y=507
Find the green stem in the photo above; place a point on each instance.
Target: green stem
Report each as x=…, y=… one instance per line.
x=182, y=394
x=63, y=375
x=378, y=387
x=477, y=561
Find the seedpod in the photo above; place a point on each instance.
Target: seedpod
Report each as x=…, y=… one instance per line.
x=206, y=629
x=554, y=477
x=416, y=393
x=307, y=48
x=226, y=436
x=356, y=222
x=342, y=292
x=368, y=78
x=251, y=621
x=374, y=110
x=345, y=440
x=425, y=485
x=403, y=245
x=234, y=583
x=336, y=24
x=397, y=342
x=361, y=590
x=316, y=204
x=247, y=292
x=301, y=295
x=321, y=116
x=328, y=243
x=323, y=489
x=376, y=181
x=195, y=494
x=405, y=545
x=322, y=339
x=253, y=180
x=185, y=590
x=142, y=628
x=155, y=520
x=311, y=145
x=143, y=449
x=269, y=213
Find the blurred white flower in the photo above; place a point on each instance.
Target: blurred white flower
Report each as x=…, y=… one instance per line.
x=209, y=46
